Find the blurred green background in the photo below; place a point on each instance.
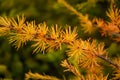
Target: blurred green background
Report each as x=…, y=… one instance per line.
x=14, y=64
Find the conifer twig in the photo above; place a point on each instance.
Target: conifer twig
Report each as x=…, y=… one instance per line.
x=106, y=59
x=109, y=61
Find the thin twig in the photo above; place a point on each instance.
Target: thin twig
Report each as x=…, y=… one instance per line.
x=109, y=61
x=106, y=59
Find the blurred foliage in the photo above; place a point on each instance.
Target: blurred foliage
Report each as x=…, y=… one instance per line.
x=14, y=64
x=50, y=10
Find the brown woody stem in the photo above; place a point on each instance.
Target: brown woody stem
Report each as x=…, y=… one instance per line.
x=109, y=61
